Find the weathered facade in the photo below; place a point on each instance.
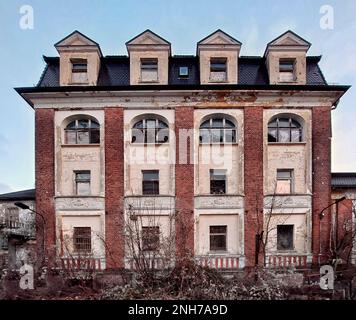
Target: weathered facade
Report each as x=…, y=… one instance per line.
x=209, y=150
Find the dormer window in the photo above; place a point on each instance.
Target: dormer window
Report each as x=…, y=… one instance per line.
x=218, y=69
x=149, y=70
x=183, y=72
x=287, y=70
x=79, y=70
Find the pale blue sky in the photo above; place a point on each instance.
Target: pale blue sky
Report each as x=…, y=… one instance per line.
x=182, y=22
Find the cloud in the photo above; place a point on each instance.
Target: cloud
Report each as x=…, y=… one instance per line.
x=4, y=188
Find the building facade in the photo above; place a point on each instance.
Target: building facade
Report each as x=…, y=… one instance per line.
x=157, y=155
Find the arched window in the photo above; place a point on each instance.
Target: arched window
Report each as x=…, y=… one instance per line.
x=82, y=131
x=150, y=131
x=284, y=130
x=217, y=130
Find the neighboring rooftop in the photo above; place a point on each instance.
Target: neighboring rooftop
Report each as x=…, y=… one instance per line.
x=18, y=195
x=343, y=180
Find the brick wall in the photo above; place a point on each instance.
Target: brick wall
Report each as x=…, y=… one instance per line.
x=321, y=144
x=253, y=177
x=44, y=172
x=184, y=183
x=114, y=187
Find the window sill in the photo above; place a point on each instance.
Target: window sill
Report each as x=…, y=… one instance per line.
x=78, y=83
x=148, y=81
x=80, y=145
x=148, y=144
x=219, y=144
x=218, y=252
x=286, y=143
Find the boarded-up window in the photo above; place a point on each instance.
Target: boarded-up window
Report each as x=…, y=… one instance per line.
x=218, y=69
x=286, y=70
x=149, y=70
x=82, y=183
x=218, y=236
x=284, y=181
x=150, y=238
x=285, y=235
x=79, y=70
x=82, y=239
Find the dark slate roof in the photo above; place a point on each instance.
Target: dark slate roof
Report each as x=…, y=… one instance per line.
x=343, y=180
x=19, y=195
x=115, y=71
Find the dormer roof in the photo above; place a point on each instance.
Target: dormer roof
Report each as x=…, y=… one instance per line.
x=289, y=40
x=77, y=41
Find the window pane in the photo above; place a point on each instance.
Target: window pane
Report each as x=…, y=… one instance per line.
x=272, y=135
x=71, y=137
x=218, y=229
x=94, y=124
x=217, y=123
x=163, y=135
x=82, y=176
x=285, y=237
x=83, y=188
x=296, y=135
x=138, y=125
x=284, y=174
x=205, y=124
x=204, y=136
x=95, y=136
x=83, y=137
x=218, y=64
x=217, y=135
x=151, y=124
x=284, y=135
x=150, y=135
x=83, y=124
x=218, y=238
x=150, y=175
x=138, y=136
x=82, y=239
x=283, y=123
x=150, y=187
x=230, y=135
x=183, y=71
x=229, y=124
x=72, y=125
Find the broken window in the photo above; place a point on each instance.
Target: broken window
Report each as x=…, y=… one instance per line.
x=150, y=238
x=150, y=131
x=79, y=71
x=218, y=69
x=286, y=70
x=284, y=181
x=285, y=130
x=83, y=131
x=150, y=182
x=217, y=130
x=149, y=70
x=217, y=181
x=285, y=234
x=82, y=239
x=82, y=183
x=218, y=236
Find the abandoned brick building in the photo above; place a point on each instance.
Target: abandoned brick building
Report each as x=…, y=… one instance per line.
x=212, y=149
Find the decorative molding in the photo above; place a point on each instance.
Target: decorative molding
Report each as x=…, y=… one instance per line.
x=143, y=203
x=219, y=202
x=288, y=201
x=79, y=203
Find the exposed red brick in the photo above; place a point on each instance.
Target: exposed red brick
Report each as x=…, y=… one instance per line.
x=184, y=184
x=253, y=178
x=321, y=145
x=114, y=187
x=44, y=171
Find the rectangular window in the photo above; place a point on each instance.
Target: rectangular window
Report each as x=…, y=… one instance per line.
x=284, y=181
x=150, y=182
x=149, y=70
x=82, y=183
x=217, y=181
x=286, y=70
x=183, y=72
x=12, y=217
x=79, y=70
x=82, y=239
x=150, y=238
x=218, y=69
x=218, y=236
x=285, y=235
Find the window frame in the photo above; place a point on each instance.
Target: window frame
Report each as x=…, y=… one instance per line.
x=86, y=236
x=149, y=64
x=275, y=125
x=215, y=173
x=82, y=181
x=218, y=234
x=160, y=127
x=292, y=247
x=290, y=71
x=93, y=126
x=218, y=61
x=290, y=179
x=154, y=183
x=224, y=129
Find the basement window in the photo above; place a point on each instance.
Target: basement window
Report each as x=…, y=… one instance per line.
x=287, y=70
x=79, y=70
x=285, y=235
x=82, y=239
x=149, y=70
x=218, y=235
x=218, y=70
x=150, y=238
